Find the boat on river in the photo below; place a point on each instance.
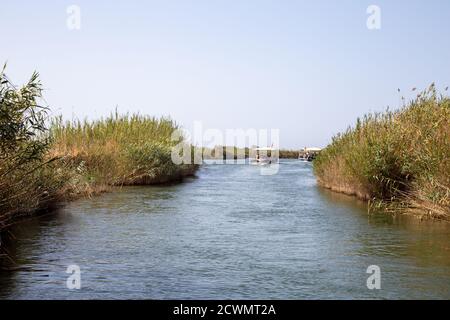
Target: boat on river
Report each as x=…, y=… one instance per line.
x=308, y=154
x=263, y=156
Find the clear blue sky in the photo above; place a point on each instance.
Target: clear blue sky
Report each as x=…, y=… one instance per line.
x=308, y=68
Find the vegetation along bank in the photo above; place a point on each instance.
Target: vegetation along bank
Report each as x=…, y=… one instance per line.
x=397, y=160
x=45, y=162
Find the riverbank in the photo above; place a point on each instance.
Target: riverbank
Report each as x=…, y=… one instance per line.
x=397, y=160
x=44, y=163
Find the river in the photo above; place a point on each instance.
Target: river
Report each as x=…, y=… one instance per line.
x=229, y=233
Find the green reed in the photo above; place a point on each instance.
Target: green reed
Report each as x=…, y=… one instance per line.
x=397, y=159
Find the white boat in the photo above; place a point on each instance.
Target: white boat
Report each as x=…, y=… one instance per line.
x=265, y=159
x=260, y=162
x=309, y=154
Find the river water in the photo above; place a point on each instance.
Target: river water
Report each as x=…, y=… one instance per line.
x=229, y=233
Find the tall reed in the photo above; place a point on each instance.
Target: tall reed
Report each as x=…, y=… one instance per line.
x=28, y=179
x=44, y=163
x=399, y=160
x=119, y=149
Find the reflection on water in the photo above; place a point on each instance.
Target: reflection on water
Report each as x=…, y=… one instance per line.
x=230, y=233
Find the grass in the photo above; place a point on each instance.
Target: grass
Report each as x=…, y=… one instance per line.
x=397, y=160
x=119, y=150
x=46, y=162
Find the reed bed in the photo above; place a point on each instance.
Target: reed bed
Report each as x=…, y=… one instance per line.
x=289, y=154
x=119, y=149
x=45, y=162
x=396, y=160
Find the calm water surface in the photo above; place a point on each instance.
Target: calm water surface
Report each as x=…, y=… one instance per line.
x=228, y=234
